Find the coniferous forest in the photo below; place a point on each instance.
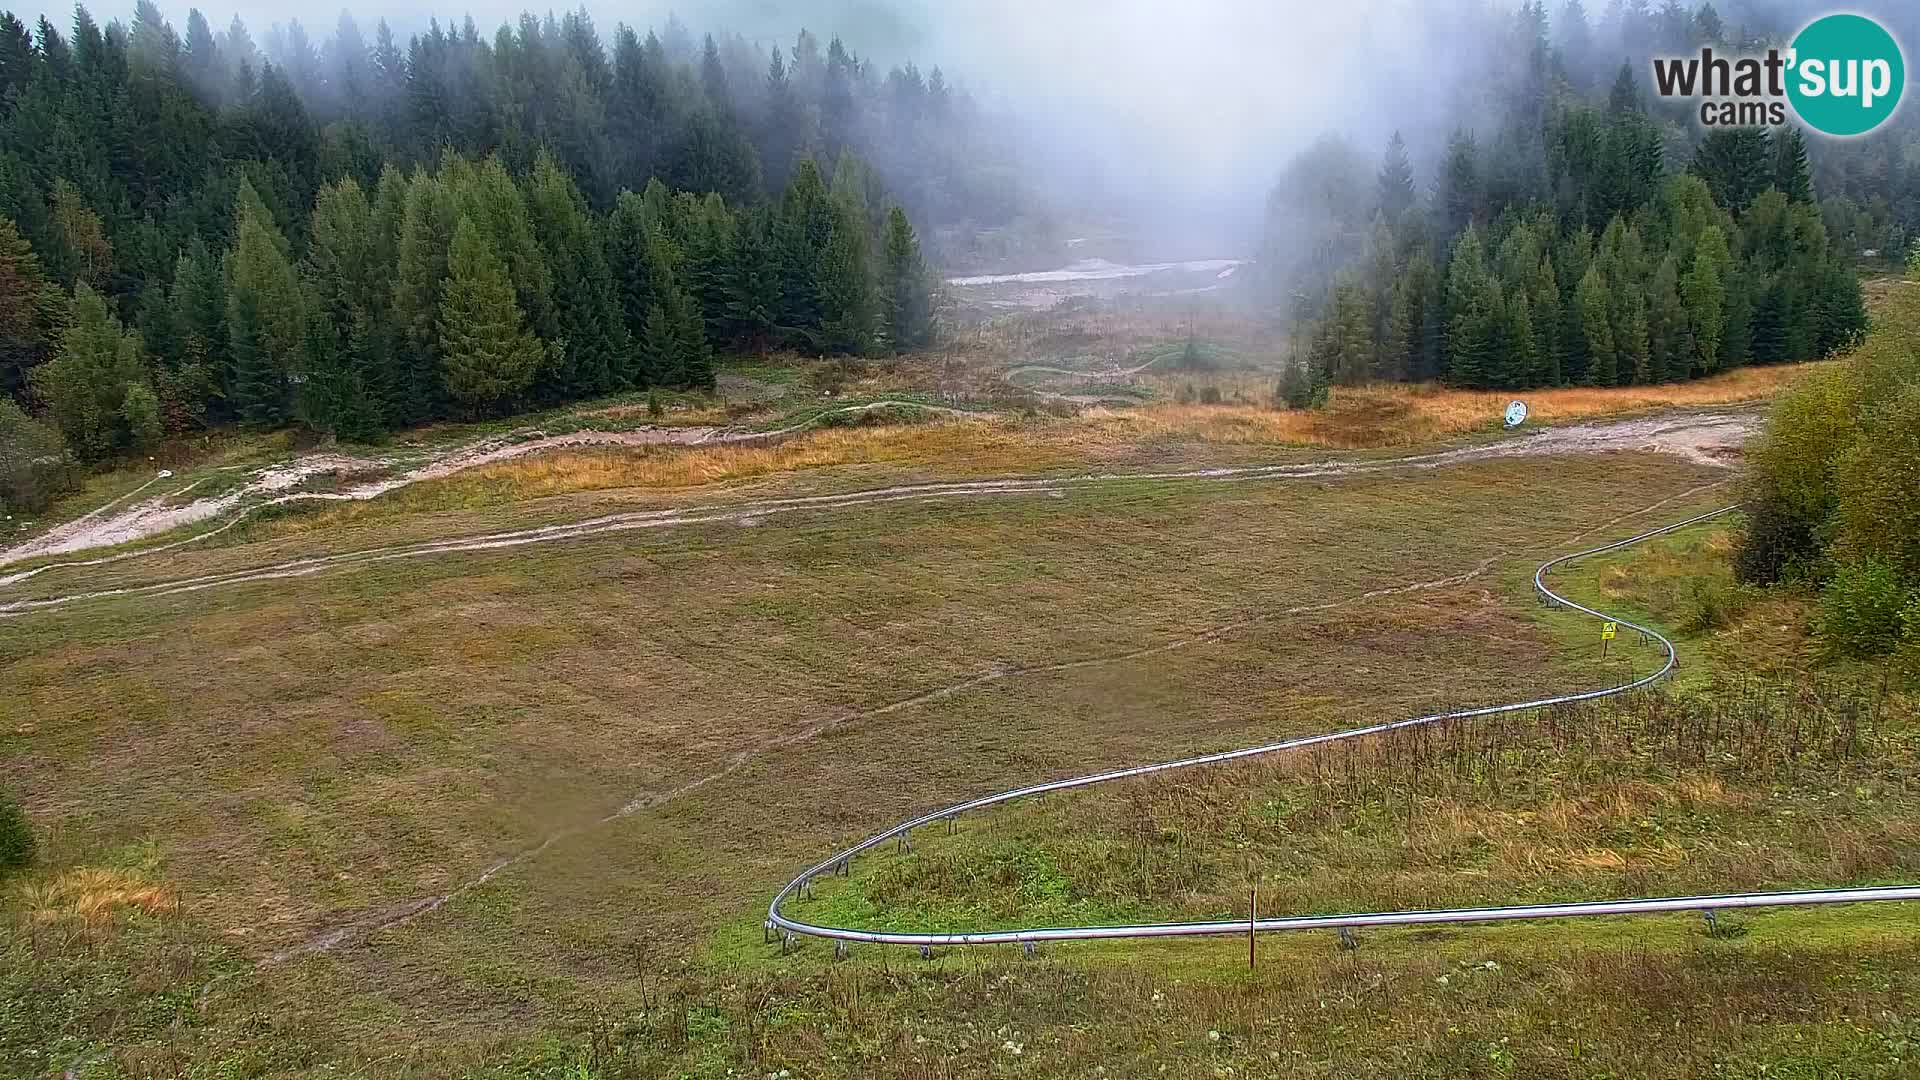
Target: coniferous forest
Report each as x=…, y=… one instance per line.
x=1580, y=233
x=362, y=233
x=368, y=233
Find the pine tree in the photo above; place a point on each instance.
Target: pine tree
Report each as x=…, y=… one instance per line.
x=1475, y=328
x=1669, y=348
x=266, y=322
x=1768, y=343
x=660, y=344
x=710, y=266
x=199, y=302
x=1397, y=347
x=845, y=290
x=1543, y=299
x=86, y=384
x=696, y=355
x=344, y=389
x=87, y=249
x=1520, y=342
x=486, y=351
x=1704, y=291
x=1595, y=302
x=1396, y=194
x=630, y=262
x=1345, y=349
x=908, y=298
x=1458, y=199
x=486, y=193
x=594, y=358
x=806, y=226
x=27, y=305
x=1625, y=97
x=1839, y=313
x=1631, y=342
x=1737, y=164
x=417, y=388
x=752, y=289
x=1791, y=172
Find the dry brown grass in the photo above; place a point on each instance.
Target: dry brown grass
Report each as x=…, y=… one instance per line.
x=92, y=898
x=1356, y=418
x=1391, y=415
x=1386, y=416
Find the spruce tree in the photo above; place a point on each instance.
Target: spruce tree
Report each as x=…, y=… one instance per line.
x=710, y=266
x=806, y=226
x=1737, y=164
x=87, y=383
x=1543, y=299
x=1631, y=338
x=1595, y=302
x=690, y=335
x=752, y=285
x=845, y=290
x=588, y=315
x=344, y=389
x=1791, y=172
x=1461, y=190
x=1396, y=190
x=1768, y=343
x=1669, y=348
x=660, y=345
x=1397, y=347
x=488, y=355
x=1704, y=291
x=266, y=321
x=908, y=298
x=630, y=259
x=417, y=388
x=1520, y=342
x=27, y=305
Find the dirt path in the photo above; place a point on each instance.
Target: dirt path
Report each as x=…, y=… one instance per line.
x=1707, y=439
x=271, y=486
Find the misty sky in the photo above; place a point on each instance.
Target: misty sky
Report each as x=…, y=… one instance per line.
x=1198, y=101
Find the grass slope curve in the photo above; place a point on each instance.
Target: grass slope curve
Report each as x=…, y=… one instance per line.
x=787, y=927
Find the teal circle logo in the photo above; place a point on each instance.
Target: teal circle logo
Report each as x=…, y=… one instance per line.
x=1846, y=75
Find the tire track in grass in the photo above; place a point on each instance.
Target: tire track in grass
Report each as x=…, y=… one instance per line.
x=398, y=916
x=1693, y=437
x=402, y=914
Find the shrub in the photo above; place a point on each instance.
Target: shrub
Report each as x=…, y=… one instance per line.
x=1861, y=609
x=655, y=409
x=1777, y=545
x=1299, y=389
x=1877, y=487
x=1712, y=604
x=1210, y=395
x=16, y=835
x=141, y=411
x=34, y=466
x=1811, y=427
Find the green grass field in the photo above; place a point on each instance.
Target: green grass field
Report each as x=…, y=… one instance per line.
x=517, y=813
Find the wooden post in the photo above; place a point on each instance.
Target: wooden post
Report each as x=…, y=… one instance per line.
x=1253, y=917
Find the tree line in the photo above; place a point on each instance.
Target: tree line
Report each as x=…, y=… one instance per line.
x=184, y=243
x=1561, y=248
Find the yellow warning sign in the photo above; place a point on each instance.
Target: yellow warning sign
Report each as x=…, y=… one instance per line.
x=1608, y=631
